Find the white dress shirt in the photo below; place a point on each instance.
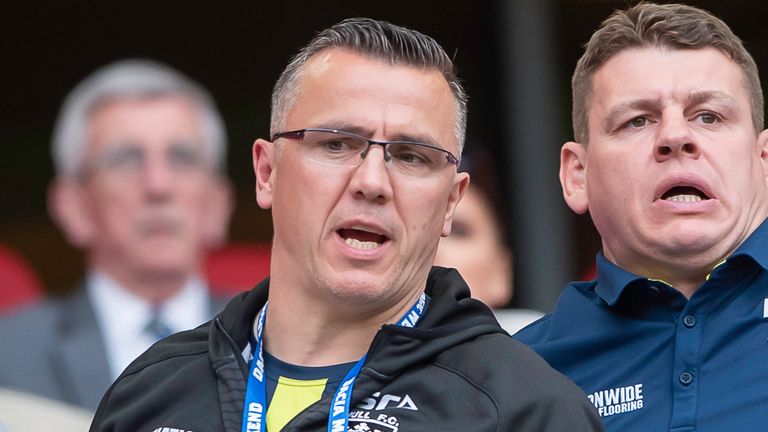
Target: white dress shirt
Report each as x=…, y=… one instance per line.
x=513, y=320
x=123, y=316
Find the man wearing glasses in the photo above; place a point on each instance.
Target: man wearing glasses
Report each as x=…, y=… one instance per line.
x=359, y=331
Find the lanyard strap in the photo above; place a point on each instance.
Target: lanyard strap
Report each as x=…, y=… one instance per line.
x=255, y=410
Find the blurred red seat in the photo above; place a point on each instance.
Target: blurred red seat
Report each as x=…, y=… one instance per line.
x=589, y=274
x=237, y=267
x=19, y=284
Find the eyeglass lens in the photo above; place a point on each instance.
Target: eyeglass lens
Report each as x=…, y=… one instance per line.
x=339, y=149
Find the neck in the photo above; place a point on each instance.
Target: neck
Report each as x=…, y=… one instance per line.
x=312, y=333
x=686, y=287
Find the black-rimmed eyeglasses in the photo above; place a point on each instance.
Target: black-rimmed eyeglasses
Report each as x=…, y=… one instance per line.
x=345, y=149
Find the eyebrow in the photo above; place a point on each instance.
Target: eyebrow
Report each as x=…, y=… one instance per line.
x=724, y=99
x=619, y=110
x=358, y=130
x=694, y=98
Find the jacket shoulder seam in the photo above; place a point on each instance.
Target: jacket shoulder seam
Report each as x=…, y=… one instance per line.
x=145, y=364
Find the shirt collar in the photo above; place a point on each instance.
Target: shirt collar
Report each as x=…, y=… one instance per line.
x=123, y=316
x=756, y=245
x=612, y=280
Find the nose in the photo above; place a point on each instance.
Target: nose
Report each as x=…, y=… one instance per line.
x=370, y=180
x=383, y=146
x=157, y=178
x=675, y=139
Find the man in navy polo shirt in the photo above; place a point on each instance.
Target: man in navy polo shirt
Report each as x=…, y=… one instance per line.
x=671, y=162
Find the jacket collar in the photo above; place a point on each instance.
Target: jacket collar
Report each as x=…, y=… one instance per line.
x=451, y=312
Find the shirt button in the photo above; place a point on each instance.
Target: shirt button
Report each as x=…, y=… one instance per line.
x=686, y=378
x=689, y=321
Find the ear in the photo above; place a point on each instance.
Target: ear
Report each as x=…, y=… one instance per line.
x=460, y=183
x=762, y=142
x=67, y=207
x=573, y=176
x=219, y=206
x=264, y=158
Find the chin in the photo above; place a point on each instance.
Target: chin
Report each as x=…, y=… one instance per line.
x=356, y=287
x=689, y=243
x=165, y=266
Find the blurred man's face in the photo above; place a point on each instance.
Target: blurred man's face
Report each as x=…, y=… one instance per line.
x=150, y=199
x=674, y=175
x=365, y=235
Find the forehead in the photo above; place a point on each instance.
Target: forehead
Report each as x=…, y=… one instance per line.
x=665, y=74
x=150, y=120
x=348, y=90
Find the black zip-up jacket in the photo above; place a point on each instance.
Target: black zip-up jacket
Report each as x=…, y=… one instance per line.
x=456, y=371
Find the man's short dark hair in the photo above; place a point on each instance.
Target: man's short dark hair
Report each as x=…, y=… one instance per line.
x=674, y=26
x=378, y=40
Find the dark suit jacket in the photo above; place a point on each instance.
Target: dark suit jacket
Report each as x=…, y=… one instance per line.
x=55, y=349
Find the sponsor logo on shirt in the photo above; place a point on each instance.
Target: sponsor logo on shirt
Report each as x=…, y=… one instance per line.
x=378, y=402
x=367, y=416
x=618, y=400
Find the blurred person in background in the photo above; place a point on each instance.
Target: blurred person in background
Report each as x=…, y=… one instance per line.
x=478, y=246
x=139, y=151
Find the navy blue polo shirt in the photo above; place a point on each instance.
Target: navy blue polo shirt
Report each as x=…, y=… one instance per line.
x=651, y=360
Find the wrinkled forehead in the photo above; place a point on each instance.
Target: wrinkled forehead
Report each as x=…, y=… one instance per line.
x=656, y=73
x=341, y=88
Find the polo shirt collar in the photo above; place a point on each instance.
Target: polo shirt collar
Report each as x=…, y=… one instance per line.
x=755, y=245
x=612, y=280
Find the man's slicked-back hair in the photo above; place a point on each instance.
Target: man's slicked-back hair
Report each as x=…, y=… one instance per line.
x=127, y=80
x=378, y=40
x=673, y=26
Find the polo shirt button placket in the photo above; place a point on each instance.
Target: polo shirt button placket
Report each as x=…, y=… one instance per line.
x=689, y=321
x=686, y=378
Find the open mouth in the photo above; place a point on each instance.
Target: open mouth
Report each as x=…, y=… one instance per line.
x=685, y=194
x=361, y=239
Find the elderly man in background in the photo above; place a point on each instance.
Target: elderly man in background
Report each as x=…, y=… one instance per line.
x=139, y=152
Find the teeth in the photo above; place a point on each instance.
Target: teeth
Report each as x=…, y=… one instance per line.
x=684, y=198
x=357, y=244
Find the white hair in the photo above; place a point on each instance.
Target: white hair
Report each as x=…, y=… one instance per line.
x=130, y=79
